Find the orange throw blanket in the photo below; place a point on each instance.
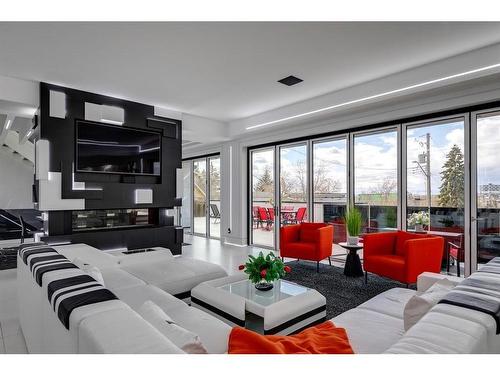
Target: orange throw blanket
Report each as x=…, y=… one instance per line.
x=324, y=338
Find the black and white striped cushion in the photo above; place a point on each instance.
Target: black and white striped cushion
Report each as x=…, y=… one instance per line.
x=68, y=293
x=65, y=291
x=479, y=293
x=44, y=259
x=29, y=251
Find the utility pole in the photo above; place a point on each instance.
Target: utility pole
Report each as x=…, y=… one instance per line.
x=426, y=158
x=428, y=169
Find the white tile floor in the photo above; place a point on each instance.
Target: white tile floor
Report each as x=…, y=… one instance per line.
x=12, y=340
x=229, y=257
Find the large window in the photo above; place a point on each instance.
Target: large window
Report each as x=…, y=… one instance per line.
x=187, y=188
x=435, y=173
x=215, y=210
x=262, y=197
x=204, y=183
x=487, y=215
x=200, y=196
x=329, y=179
x=376, y=179
x=294, y=179
x=445, y=169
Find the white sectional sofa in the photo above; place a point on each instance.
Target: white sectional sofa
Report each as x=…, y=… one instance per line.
x=377, y=326
x=114, y=326
x=110, y=326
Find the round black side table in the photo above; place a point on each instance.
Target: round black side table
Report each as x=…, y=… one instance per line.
x=352, y=266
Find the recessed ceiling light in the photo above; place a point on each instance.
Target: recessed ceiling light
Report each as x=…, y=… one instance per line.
x=290, y=80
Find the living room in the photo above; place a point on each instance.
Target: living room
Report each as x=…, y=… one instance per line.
x=263, y=187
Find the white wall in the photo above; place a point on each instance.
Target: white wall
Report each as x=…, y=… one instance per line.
x=16, y=180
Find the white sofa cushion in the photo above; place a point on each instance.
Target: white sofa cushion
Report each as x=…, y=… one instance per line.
x=121, y=332
x=390, y=302
x=441, y=331
x=159, y=254
x=418, y=305
x=213, y=333
x=370, y=332
x=175, y=276
x=184, y=339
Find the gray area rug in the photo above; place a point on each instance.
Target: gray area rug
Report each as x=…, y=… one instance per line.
x=342, y=293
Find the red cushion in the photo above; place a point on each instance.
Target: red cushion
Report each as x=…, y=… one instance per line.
x=402, y=238
x=392, y=266
x=300, y=250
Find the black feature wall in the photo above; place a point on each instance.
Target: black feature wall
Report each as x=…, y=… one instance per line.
x=111, y=191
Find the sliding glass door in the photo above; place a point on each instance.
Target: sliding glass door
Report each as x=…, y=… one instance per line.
x=278, y=174
x=187, y=188
x=214, y=196
x=206, y=194
x=329, y=184
x=486, y=188
x=376, y=179
x=435, y=178
x=200, y=198
x=262, y=182
x=293, y=183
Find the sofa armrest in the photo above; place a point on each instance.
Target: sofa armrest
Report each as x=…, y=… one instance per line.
x=325, y=241
x=289, y=233
x=423, y=254
x=426, y=279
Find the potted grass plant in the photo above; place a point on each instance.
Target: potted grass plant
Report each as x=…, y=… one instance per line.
x=353, y=221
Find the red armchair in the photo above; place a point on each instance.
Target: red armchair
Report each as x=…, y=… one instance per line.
x=308, y=241
x=402, y=256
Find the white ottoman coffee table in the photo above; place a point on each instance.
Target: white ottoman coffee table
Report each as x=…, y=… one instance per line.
x=285, y=309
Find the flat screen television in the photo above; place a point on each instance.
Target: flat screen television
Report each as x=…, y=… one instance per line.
x=106, y=148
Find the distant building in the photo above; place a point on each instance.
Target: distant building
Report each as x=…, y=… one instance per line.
x=490, y=189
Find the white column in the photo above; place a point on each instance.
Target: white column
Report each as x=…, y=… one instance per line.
x=234, y=194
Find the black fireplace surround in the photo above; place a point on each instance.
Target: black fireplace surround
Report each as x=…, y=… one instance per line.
x=114, y=219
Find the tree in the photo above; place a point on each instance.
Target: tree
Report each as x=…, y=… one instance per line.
x=385, y=191
x=265, y=182
x=451, y=191
x=215, y=179
x=322, y=183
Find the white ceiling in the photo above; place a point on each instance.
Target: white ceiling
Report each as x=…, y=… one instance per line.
x=227, y=71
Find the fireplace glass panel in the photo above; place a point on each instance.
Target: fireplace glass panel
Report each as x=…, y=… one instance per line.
x=109, y=219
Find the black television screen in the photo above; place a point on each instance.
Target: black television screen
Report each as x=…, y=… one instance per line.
x=116, y=149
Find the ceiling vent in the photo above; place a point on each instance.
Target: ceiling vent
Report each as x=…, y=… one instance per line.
x=290, y=80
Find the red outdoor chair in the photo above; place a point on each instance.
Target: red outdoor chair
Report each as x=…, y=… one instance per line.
x=456, y=253
x=263, y=217
x=255, y=216
x=270, y=212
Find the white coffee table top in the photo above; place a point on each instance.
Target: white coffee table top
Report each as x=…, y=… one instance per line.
x=282, y=290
